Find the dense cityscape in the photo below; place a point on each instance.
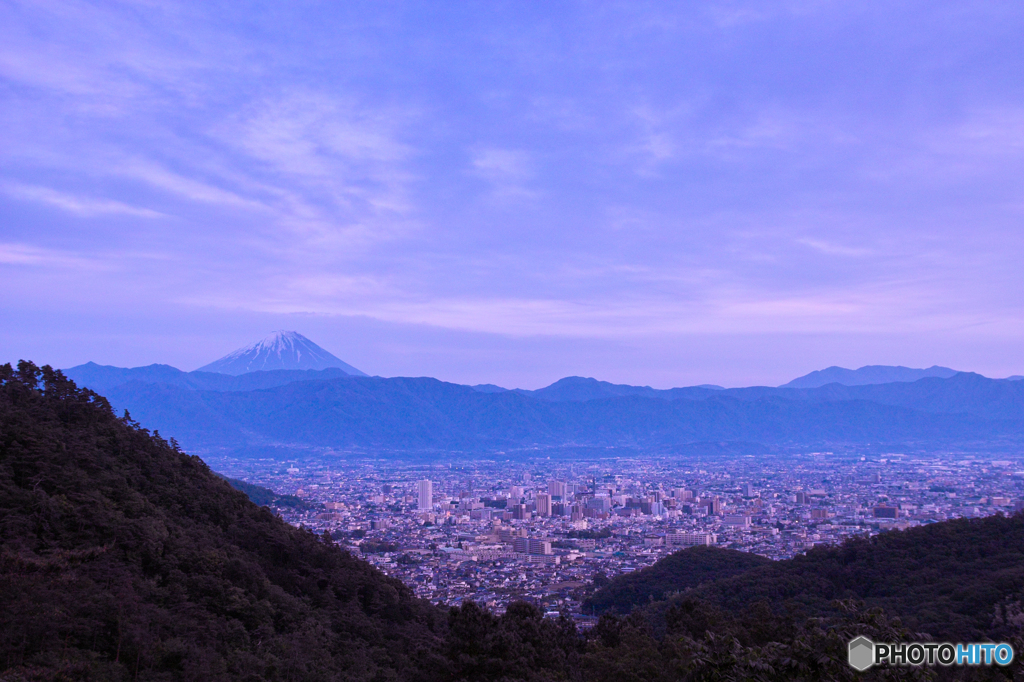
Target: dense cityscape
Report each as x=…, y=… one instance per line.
x=550, y=531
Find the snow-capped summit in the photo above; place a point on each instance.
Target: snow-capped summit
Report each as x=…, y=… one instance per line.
x=280, y=350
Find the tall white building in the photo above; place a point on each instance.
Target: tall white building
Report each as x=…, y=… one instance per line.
x=426, y=490
x=543, y=504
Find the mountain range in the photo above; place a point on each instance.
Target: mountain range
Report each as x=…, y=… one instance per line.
x=277, y=393
x=871, y=374
x=330, y=409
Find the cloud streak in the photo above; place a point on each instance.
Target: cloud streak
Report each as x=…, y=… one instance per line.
x=78, y=205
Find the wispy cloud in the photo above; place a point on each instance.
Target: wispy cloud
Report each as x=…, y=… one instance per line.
x=29, y=255
x=350, y=151
x=725, y=308
x=188, y=188
x=76, y=204
x=833, y=249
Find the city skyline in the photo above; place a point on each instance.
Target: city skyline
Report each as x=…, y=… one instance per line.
x=493, y=534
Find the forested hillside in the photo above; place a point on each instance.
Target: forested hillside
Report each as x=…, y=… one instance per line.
x=265, y=496
x=123, y=558
x=684, y=570
x=953, y=580
x=961, y=580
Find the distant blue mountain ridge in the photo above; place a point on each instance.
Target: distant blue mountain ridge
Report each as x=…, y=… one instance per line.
x=333, y=409
x=871, y=374
x=286, y=391
x=579, y=389
x=101, y=378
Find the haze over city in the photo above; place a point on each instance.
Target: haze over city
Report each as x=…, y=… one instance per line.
x=509, y=193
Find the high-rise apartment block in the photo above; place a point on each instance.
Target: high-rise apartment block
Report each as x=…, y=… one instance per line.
x=426, y=495
x=543, y=504
x=556, y=489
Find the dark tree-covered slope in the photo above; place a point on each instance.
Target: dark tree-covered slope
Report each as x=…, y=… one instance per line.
x=954, y=579
x=123, y=558
x=265, y=496
x=687, y=568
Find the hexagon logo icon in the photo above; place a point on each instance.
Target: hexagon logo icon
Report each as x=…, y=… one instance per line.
x=862, y=653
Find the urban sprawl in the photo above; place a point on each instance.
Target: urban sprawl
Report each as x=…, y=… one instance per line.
x=548, y=531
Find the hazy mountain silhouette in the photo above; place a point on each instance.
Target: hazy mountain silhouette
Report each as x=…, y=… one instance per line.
x=870, y=374
x=101, y=378
x=323, y=409
x=579, y=389
x=488, y=388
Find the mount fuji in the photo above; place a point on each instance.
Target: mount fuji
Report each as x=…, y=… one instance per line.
x=280, y=350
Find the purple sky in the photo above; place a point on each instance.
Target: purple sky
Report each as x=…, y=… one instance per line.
x=664, y=194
